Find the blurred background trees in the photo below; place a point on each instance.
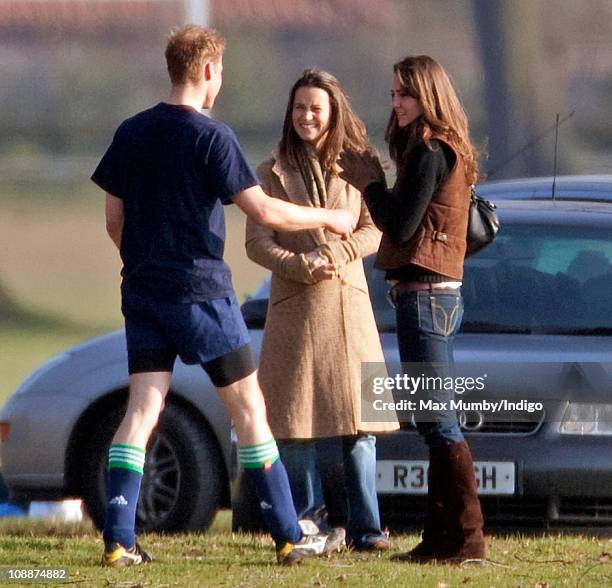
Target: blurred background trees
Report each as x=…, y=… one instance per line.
x=73, y=69
x=6, y=304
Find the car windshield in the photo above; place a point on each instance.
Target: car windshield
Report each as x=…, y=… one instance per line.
x=541, y=279
x=532, y=279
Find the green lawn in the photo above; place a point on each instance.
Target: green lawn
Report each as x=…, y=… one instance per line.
x=220, y=558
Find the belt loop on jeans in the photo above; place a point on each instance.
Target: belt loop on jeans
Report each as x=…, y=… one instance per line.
x=397, y=288
x=391, y=293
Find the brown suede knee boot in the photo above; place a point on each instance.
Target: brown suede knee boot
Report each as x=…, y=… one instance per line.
x=464, y=521
x=453, y=527
x=433, y=542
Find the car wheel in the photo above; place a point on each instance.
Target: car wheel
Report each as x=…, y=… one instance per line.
x=246, y=514
x=183, y=480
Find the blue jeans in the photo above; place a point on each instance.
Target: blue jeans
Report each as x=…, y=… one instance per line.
x=300, y=459
x=427, y=322
x=308, y=461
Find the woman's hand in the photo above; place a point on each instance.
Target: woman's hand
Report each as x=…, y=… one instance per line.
x=361, y=169
x=320, y=267
x=315, y=259
x=328, y=271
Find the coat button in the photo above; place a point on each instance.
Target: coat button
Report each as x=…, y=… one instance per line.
x=344, y=281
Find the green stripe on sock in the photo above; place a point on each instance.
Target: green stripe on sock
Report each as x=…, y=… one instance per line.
x=128, y=457
x=257, y=456
x=122, y=454
x=125, y=466
x=140, y=454
x=253, y=465
x=133, y=464
x=263, y=452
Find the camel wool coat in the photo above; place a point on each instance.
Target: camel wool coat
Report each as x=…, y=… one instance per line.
x=317, y=334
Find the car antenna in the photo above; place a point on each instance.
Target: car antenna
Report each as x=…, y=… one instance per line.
x=530, y=144
x=554, y=186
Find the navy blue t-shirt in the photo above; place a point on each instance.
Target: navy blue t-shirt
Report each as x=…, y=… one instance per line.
x=174, y=168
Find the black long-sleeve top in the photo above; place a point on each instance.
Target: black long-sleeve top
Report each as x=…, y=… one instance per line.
x=399, y=212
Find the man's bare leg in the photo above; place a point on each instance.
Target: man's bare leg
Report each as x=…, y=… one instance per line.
x=125, y=466
x=247, y=408
x=258, y=456
x=147, y=395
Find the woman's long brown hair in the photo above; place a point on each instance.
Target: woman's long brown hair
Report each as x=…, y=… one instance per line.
x=346, y=130
x=443, y=115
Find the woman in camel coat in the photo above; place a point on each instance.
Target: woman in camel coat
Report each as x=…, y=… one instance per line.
x=320, y=325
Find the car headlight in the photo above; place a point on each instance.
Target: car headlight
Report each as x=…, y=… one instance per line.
x=583, y=418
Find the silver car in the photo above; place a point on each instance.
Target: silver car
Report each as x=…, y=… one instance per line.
x=540, y=294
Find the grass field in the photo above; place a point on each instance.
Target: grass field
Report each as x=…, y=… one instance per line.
x=220, y=558
x=58, y=265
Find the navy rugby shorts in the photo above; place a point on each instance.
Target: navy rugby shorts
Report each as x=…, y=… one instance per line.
x=210, y=333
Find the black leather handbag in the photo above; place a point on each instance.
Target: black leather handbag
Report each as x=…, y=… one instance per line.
x=483, y=223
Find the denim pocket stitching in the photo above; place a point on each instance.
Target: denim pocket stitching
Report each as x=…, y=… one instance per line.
x=449, y=321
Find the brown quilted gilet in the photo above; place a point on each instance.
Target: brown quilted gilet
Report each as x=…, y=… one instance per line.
x=439, y=243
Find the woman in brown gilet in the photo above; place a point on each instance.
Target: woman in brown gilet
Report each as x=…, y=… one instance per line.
x=424, y=222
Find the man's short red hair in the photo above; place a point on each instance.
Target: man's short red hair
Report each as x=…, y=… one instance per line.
x=189, y=49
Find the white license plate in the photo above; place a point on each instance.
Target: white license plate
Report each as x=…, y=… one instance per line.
x=410, y=477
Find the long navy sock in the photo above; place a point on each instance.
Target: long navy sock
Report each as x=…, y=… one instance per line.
x=263, y=466
x=123, y=487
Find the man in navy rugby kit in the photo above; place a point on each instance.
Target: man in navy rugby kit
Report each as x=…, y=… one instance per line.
x=167, y=175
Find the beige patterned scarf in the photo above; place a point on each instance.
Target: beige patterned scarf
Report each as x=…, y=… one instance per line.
x=314, y=177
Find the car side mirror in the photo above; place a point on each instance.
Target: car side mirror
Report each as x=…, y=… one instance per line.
x=254, y=312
